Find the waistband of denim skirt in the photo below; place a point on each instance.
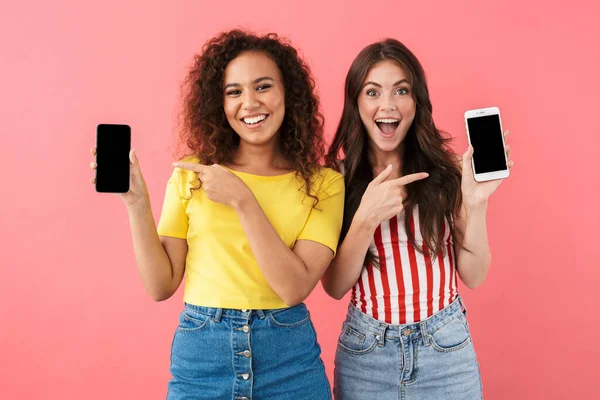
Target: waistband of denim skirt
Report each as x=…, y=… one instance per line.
x=245, y=314
x=430, y=325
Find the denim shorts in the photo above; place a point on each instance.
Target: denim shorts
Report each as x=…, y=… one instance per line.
x=432, y=359
x=246, y=354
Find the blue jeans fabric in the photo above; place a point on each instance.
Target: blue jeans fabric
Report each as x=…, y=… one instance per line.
x=432, y=359
x=246, y=354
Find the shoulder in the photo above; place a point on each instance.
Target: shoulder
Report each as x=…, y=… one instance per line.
x=185, y=172
x=324, y=176
x=183, y=178
x=327, y=182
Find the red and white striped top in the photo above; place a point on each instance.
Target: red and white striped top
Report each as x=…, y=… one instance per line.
x=408, y=286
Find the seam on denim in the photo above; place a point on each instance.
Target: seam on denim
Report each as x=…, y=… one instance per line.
x=450, y=349
x=446, y=322
x=199, y=326
x=292, y=325
x=350, y=331
x=415, y=366
x=402, y=342
x=358, y=352
x=231, y=333
x=362, y=325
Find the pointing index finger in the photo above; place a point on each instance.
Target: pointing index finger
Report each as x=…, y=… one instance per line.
x=189, y=166
x=405, y=180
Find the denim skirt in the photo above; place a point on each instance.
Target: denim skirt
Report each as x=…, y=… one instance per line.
x=232, y=354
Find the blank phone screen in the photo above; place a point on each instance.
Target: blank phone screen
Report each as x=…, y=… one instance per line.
x=113, y=143
x=486, y=139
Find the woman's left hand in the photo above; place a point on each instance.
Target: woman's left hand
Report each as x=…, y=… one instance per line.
x=475, y=192
x=220, y=184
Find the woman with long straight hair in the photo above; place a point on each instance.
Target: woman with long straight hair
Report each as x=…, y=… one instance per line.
x=414, y=219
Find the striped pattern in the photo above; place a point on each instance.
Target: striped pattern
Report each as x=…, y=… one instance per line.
x=409, y=286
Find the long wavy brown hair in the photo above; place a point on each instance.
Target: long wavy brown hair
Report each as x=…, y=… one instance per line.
x=204, y=128
x=425, y=150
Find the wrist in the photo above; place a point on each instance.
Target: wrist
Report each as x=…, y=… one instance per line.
x=363, y=222
x=242, y=202
x=476, y=205
x=139, y=205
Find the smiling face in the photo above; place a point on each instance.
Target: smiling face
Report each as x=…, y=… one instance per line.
x=386, y=106
x=254, y=98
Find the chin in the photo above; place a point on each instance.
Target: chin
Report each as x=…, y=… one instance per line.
x=387, y=145
x=258, y=140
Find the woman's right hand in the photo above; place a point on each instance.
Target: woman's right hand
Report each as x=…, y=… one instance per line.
x=384, y=197
x=138, y=192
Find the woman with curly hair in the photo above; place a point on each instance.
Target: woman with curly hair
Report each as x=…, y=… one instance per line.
x=414, y=219
x=252, y=220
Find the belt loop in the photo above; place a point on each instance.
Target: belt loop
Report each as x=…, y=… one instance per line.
x=424, y=333
x=381, y=336
x=260, y=313
x=218, y=314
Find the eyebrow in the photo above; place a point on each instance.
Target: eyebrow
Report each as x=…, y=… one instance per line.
x=378, y=85
x=254, y=82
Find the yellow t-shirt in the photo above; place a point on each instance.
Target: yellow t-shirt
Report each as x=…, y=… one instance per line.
x=221, y=270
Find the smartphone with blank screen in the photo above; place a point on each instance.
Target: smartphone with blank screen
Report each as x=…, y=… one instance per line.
x=113, y=143
x=484, y=130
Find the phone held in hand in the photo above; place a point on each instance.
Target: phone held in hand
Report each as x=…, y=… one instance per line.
x=113, y=143
x=484, y=130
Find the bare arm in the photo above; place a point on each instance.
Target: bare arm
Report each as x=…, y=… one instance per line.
x=346, y=267
x=473, y=254
x=382, y=200
x=160, y=260
x=292, y=274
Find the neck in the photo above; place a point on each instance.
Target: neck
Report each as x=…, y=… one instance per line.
x=258, y=157
x=379, y=160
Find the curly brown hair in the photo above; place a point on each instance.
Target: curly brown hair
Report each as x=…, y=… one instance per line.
x=204, y=126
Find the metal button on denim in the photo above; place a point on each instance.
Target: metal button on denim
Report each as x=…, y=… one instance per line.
x=246, y=328
x=244, y=310
x=245, y=376
x=247, y=353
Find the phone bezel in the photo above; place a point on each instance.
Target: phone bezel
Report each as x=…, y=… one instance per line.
x=487, y=176
x=96, y=157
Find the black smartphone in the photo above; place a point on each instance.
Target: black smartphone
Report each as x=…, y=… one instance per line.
x=113, y=143
x=484, y=130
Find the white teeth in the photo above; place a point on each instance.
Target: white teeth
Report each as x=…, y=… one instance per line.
x=255, y=120
x=387, y=120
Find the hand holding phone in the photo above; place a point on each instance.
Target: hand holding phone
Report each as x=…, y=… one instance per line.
x=113, y=143
x=478, y=183
x=117, y=167
x=484, y=130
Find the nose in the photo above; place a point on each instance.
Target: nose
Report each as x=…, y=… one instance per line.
x=388, y=103
x=249, y=100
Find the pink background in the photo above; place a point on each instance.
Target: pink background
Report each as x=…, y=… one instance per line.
x=75, y=321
